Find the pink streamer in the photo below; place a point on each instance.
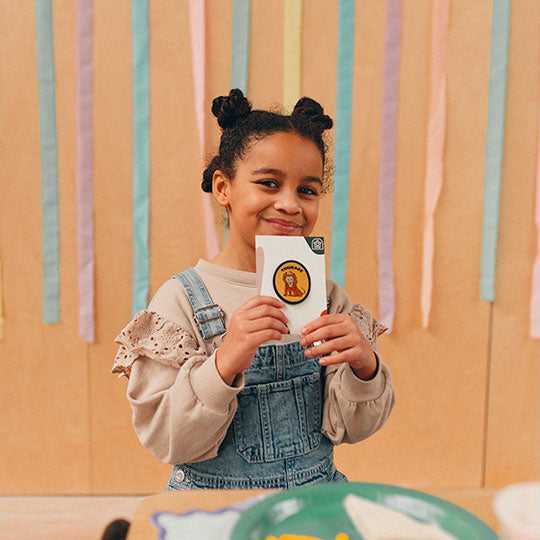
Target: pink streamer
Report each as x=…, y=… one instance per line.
x=535, y=286
x=198, y=27
x=85, y=200
x=435, y=145
x=385, y=235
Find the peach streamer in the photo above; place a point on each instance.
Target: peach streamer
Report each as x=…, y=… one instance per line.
x=198, y=28
x=435, y=145
x=535, y=285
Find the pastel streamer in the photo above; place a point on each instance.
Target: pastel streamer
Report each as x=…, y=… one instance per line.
x=49, y=162
x=385, y=237
x=239, y=54
x=535, y=285
x=198, y=30
x=240, y=44
x=435, y=145
x=342, y=158
x=141, y=155
x=500, y=29
x=292, y=53
x=85, y=154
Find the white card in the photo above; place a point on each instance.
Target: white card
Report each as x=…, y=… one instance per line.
x=292, y=269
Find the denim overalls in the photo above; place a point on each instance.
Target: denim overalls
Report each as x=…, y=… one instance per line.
x=275, y=439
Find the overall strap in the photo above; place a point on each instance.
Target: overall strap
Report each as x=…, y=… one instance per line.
x=208, y=316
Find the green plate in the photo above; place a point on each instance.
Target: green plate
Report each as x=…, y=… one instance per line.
x=318, y=511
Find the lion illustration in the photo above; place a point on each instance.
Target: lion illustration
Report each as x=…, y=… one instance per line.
x=291, y=287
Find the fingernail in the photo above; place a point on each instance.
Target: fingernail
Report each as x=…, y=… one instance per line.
x=303, y=341
x=304, y=331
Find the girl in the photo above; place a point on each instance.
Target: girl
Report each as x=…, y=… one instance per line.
x=216, y=385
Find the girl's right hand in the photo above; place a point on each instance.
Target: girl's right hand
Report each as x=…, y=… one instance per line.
x=252, y=324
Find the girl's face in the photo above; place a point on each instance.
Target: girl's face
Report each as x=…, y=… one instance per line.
x=276, y=189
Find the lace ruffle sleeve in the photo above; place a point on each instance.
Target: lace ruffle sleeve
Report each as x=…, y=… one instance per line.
x=154, y=337
x=368, y=325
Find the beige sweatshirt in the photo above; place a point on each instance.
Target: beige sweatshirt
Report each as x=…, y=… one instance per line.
x=181, y=406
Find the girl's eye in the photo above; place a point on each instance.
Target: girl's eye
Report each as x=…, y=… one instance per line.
x=307, y=191
x=268, y=183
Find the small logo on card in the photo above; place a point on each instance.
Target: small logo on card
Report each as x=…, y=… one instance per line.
x=316, y=244
x=292, y=282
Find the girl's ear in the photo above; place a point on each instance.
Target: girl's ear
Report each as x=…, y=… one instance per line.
x=220, y=188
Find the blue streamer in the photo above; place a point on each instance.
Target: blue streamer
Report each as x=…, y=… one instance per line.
x=49, y=162
x=240, y=44
x=500, y=29
x=340, y=209
x=239, y=57
x=141, y=155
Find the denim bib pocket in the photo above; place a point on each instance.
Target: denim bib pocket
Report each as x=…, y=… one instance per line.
x=279, y=420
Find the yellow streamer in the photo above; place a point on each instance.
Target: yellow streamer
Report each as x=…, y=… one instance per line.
x=292, y=53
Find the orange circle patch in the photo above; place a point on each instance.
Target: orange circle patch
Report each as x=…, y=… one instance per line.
x=292, y=282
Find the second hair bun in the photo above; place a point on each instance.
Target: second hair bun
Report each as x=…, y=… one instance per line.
x=229, y=109
x=312, y=112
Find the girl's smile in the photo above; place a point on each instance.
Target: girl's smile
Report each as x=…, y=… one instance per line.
x=275, y=190
x=283, y=226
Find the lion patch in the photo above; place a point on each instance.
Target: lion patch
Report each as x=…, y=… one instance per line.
x=292, y=282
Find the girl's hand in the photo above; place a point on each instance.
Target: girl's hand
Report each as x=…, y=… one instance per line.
x=339, y=334
x=253, y=323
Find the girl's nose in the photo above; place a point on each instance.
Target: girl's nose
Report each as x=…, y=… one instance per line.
x=287, y=202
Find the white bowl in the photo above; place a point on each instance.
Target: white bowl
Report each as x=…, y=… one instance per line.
x=517, y=508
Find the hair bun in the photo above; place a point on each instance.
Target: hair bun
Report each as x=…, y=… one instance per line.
x=208, y=174
x=312, y=112
x=229, y=109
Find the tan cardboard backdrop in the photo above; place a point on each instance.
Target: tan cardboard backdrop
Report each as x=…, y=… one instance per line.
x=468, y=387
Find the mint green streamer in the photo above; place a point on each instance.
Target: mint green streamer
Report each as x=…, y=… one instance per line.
x=500, y=30
x=240, y=44
x=141, y=154
x=342, y=159
x=50, y=229
x=239, y=57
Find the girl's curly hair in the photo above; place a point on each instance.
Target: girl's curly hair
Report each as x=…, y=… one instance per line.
x=241, y=125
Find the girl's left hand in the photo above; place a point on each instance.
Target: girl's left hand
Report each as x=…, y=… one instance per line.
x=339, y=334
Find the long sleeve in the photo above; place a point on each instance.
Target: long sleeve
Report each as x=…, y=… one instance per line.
x=354, y=409
x=181, y=407
x=181, y=415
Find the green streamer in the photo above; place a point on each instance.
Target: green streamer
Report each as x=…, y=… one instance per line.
x=141, y=155
x=500, y=29
x=49, y=162
x=240, y=44
x=340, y=209
x=239, y=58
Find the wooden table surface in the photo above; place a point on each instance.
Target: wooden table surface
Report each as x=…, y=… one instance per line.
x=476, y=501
